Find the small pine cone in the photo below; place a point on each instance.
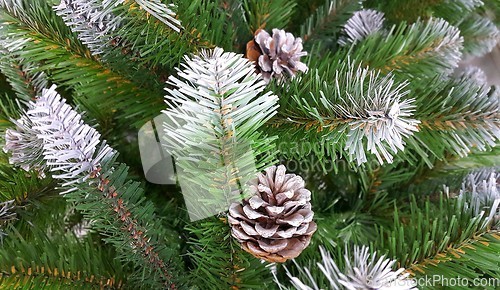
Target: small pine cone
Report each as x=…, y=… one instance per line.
x=275, y=223
x=277, y=56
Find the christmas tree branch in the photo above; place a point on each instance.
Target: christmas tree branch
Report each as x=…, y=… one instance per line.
x=479, y=252
x=66, y=262
x=237, y=270
x=480, y=34
x=375, y=110
x=268, y=14
x=160, y=11
x=155, y=42
x=411, y=49
x=327, y=18
x=467, y=117
x=214, y=112
x=124, y=217
x=427, y=231
x=23, y=78
x=221, y=90
x=70, y=151
x=93, y=21
x=111, y=90
x=361, y=269
x=92, y=80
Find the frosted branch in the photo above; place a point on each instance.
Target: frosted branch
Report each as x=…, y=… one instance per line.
x=24, y=145
x=485, y=190
x=92, y=20
x=211, y=129
x=69, y=145
x=162, y=12
x=54, y=135
x=374, y=110
x=362, y=271
x=362, y=24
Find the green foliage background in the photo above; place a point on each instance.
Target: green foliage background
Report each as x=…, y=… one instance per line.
x=398, y=209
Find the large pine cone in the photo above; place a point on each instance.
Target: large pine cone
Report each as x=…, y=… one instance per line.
x=275, y=224
x=277, y=55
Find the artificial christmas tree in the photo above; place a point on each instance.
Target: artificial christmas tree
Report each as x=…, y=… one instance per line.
x=322, y=144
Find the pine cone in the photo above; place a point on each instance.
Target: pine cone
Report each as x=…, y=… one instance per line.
x=276, y=56
x=275, y=224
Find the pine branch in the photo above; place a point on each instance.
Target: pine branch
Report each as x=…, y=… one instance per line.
x=69, y=145
x=216, y=109
x=475, y=258
x=155, y=42
x=454, y=11
x=362, y=24
x=362, y=270
x=35, y=19
x=236, y=26
x=324, y=23
x=70, y=150
x=162, y=12
x=456, y=116
x=23, y=78
x=59, y=260
x=373, y=110
x=25, y=146
x=95, y=22
x=88, y=77
x=214, y=112
x=22, y=186
x=451, y=171
x=268, y=14
x=427, y=231
x=92, y=20
x=484, y=188
x=219, y=263
x=410, y=50
x=480, y=34
x=129, y=220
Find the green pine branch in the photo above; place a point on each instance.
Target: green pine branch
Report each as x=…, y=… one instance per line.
x=421, y=50
x=121, y=213
x=213, y=115
x=423, y=231
x=68, y=63
x=268, y=15
x=23, y=81
x=480, y=34
x=475, y=258
x=457, y=116
x=218, y=261
x=59, y=260
x=316, y=117
x=22, y=186
x=324, y=24
x=158, y=44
